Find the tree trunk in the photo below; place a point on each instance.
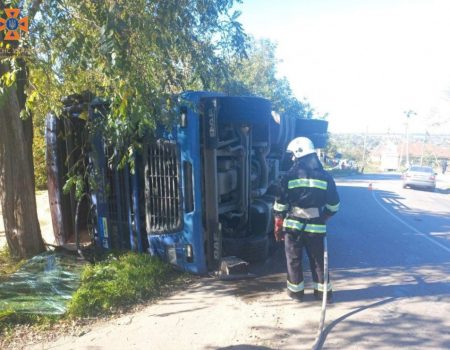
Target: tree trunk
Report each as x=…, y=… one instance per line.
x=17, y=192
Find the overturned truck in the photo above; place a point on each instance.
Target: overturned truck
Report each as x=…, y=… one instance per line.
x=200, y=192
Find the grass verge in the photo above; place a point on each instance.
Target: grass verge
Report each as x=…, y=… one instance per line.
x=8, y=264
x=9, y=319
x=119, y=282
x=113, y=285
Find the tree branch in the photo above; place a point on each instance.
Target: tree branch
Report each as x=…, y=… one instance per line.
x=34, y=8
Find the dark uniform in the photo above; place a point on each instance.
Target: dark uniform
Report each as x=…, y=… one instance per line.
x=307, y=198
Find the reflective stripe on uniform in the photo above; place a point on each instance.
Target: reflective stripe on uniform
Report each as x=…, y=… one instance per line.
x=319, y=286
x=333, y=208
x=280, y=207
x=298, y=225
x=311, y=183
x=305, y=213
x=296, y=287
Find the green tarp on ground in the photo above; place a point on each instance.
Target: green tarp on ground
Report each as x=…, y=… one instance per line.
x=43, y=285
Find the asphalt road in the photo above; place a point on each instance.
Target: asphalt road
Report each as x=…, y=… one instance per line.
x=390, y=266
x=390, y=250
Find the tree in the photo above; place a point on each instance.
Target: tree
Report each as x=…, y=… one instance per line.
x=256, y=74
x=17, y=195
x=136, y=54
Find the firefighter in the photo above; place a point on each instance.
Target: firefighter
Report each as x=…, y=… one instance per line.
x=306, y=199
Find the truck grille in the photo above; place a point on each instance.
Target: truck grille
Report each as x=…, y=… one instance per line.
x=163, y=202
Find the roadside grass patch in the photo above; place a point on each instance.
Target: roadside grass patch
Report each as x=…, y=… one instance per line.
x=8, y=264
x=114, y=284
x=9, y=320
x=119, y=282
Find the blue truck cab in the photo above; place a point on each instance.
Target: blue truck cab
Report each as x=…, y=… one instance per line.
x=209, y=183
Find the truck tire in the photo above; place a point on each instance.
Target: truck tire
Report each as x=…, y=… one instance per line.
x=253, y=248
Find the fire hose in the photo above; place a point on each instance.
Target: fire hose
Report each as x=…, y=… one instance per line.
x=318, y=340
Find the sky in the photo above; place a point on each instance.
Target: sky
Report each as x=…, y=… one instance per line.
x=365, y=62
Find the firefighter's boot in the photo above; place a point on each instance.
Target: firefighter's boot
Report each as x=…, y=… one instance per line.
x=297, y=296
x=319, y=296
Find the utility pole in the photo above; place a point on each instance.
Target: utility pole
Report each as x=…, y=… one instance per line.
x=425, y=138
x=408, y=115
x=364, y=150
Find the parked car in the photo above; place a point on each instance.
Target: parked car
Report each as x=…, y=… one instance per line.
x=420, y=176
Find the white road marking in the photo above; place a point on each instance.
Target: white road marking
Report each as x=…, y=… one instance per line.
x=447, y=249
x=443, y=234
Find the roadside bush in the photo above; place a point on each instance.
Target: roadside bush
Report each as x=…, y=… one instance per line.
x=120, y=281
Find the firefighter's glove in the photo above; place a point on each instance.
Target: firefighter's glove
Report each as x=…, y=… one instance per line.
x=278, y=229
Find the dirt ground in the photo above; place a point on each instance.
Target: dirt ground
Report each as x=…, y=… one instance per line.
x=210, y=314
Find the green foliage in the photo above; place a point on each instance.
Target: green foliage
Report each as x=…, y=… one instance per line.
x=5, y=314
x=40, y=165
x=136, y=59
x=351, y=146
x=119, y=282
x=135, y=54
x=256, y=74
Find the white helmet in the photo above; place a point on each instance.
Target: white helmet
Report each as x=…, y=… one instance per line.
x=300, y=147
